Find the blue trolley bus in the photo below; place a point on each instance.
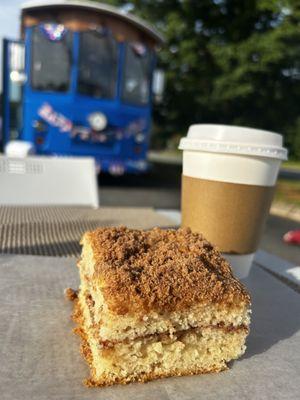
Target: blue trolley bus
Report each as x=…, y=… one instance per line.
x=81, y=82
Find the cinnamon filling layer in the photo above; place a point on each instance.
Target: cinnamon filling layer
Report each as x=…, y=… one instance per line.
x=176, y=336
x=164, y=336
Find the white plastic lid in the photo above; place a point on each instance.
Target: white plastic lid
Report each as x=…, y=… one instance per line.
x=233, y=140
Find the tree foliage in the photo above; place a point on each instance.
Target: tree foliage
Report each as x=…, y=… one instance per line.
x=228, y=61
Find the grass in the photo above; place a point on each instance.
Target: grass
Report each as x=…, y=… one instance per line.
x=177, y=153
x=168, y=152
x=291, y=164
x=288, y=192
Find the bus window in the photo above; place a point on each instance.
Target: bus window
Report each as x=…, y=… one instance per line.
x=98, y=58
x=137, y=72
x=51, y=60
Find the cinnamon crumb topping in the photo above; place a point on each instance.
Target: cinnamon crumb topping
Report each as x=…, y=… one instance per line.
x=161, y=270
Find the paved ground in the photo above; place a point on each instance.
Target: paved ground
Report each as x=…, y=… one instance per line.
x=290, y=173
x=275, y=228
x=160, y=188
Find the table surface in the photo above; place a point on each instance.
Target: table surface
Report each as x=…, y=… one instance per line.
x=40, y=355
x=56, y=231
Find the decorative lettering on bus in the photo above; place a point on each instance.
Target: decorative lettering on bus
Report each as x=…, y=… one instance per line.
x=134, y=129
x=54, y=118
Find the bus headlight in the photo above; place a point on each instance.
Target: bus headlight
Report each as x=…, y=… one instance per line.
x=140, y=138
x=98, y=121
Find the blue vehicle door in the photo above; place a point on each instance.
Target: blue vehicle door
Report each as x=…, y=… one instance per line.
x=12, y=84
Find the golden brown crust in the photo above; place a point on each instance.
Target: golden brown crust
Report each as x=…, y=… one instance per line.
x=162, y=270
x=149, y=376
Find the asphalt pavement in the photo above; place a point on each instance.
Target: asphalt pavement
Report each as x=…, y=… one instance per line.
x=290, y=173
x=160, y=188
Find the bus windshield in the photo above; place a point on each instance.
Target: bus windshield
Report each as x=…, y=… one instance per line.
x=97, y=70
x=137, y=72
x=51, y=61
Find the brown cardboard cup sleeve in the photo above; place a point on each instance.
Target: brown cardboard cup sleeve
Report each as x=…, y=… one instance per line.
x=229, y=215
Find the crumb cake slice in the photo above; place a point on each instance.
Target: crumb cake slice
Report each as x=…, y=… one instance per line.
x=157, y=303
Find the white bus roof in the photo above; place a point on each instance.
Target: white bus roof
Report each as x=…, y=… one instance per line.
x=93, y=6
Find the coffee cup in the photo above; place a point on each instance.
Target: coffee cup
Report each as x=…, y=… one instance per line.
x=228, y=182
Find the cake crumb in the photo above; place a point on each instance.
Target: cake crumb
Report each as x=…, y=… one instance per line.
x=70, y=294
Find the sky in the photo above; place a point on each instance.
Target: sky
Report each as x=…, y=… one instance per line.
x=9, y=18
x=9, y=23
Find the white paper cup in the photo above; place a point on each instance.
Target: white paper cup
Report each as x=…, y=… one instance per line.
x=241, y=264
x=229, y=175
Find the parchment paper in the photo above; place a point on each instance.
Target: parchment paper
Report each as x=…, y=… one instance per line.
x=40, y=359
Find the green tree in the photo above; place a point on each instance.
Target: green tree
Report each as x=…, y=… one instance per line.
x=228, y=61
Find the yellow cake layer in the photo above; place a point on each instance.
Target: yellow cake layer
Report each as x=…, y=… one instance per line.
x=115, y=327
x=192, y=352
